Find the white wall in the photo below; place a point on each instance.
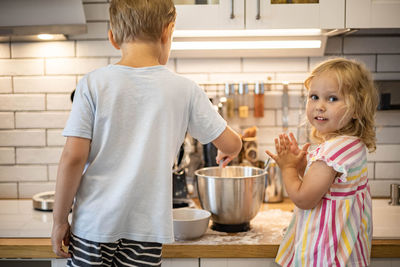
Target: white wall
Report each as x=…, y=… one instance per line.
x=36, y=79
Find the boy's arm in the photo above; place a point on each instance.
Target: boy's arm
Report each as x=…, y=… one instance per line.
x=69, y=174
x=229, y=145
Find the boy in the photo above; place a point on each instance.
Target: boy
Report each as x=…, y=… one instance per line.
x=126, y=125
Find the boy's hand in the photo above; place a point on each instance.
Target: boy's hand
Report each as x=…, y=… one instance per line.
x=59, y=235
x=224, y=158
x=286, y=156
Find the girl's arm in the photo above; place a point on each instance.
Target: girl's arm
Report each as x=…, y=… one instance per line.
x=69, y=174
x=306, y=193
x=294, y=147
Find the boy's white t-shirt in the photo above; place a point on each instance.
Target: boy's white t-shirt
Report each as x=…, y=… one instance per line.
x=136, y=119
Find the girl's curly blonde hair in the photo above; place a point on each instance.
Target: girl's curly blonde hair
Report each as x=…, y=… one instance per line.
x=361, y=98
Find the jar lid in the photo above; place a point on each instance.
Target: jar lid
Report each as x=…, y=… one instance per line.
x=259, y=88
x=243, y=88
x=229, y=89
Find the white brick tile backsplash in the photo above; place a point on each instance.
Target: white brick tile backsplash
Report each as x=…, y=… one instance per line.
x=22, y=137
x=371, y=170
x=50, y=119
x=5, y=85
x=196, y=77
x=27, y=190
x=368, y=60
x=371, y=45
x=38, y=155
x=58, y=102
x=11, y=102
x=52, y=171
x=387, y=170
x=381, y=188
x=4, y=50
x=388, y=118
x=294, y=118
x=43, y=49
x=96, y=12
x=266, y=135
x=334, y=45
x=7, y=155
x=96, y=48
x=386, y=76
x=291, y=77
x=55, y=138
x=95, y=30
x=185, y=65
x=267, y=120
x=388, y=135
x=18, y=173
x=36, y=79
x=44, y=84
x=388, y=63
x=62, y=66
x=385, y=153
x=8, y=190
x=6, y=120
x=250, y=77
x=275, y=64
x=21, y=66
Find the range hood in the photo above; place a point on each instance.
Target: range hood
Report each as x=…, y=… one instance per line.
x=20, y=18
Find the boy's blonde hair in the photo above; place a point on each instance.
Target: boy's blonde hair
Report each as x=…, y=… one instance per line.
x=360, y=95
x=140, y=19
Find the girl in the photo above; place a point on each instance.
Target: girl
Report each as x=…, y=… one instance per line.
x=332, y=225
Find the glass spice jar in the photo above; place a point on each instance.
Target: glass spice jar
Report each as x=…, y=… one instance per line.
x=243, y=101
x=259, y=100
x=230, y=101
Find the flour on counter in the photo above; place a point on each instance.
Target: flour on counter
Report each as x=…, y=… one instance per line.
x=266, y=228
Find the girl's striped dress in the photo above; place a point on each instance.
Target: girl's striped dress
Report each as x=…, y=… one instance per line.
x=338, y=231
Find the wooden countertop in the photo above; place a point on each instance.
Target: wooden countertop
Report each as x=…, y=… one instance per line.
x=41, y=247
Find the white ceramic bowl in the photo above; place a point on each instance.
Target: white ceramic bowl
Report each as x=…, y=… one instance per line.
x=190, y=223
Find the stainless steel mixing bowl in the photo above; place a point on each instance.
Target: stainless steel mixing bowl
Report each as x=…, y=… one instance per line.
x=233, y=194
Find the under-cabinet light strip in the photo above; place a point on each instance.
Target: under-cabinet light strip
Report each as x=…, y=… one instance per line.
x=247, y=33
x=237, y=45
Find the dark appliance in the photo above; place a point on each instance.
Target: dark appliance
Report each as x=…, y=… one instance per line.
x=179, y=185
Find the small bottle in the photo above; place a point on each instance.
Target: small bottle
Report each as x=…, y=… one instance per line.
x=259, y=100
x=243, y=101
x=230, y=102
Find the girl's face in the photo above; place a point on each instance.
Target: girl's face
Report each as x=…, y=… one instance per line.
x=326, y=107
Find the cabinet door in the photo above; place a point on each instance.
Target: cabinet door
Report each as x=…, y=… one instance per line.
x=273, y=14
x=209, y=14
x=373, y=13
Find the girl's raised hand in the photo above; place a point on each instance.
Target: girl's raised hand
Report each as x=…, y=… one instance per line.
x=287, y=155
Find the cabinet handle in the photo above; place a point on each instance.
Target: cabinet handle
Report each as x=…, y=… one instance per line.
x=233, y=9
x=258, y=10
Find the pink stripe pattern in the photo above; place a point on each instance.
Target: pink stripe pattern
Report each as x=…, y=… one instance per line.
x=339, y=231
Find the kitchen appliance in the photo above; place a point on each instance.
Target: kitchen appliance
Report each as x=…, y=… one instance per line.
x=179, y=185
x=394, y=194
x=43, y=201
x=389, y=94
x=233, y=195
x=273, y=185
x=27, y=18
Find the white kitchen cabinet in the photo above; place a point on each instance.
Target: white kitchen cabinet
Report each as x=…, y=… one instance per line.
x=225, y=14
x=326, y=14
x=260, y=14
x=372, y=14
